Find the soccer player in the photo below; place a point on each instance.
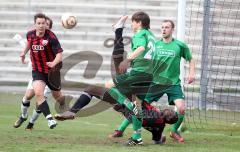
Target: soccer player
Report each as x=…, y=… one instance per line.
x=139, y=77
x=140, y=74
x=45, y=53
x=168, y=51
x=57, y=95
x=29, y=94
x=154, y=120
x=171, y=50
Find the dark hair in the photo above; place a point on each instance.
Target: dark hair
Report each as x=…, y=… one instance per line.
x=39, y=15
x=171, y=22
x=51, y=22
x=170, y=116
x=143, y=18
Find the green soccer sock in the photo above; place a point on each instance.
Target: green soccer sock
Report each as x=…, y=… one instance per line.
x=178, y=123
x=137, y=125
x=120, y=98
x=123, y=125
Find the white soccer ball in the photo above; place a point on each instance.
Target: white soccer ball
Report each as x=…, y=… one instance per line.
x=69, y=20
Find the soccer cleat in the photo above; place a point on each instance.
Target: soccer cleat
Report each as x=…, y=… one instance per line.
x=19, y=122
x=116, y=134
x=52, y=124
x=65, y=116
x=161, y=141
x=176, y=136
x=29, y=127
x=120, y=23
x=133, y=142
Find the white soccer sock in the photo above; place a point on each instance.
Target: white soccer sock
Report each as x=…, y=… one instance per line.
x=47, y=92
x=24, y=107
x=120, y=23
x=49, y=117
x=35, y=116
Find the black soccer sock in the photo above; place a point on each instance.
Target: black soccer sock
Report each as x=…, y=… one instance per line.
x=81, y=102
x=118, y=33
x=26, y=104
x=157, y=132
x=45, y=110
x=108, y=98
x=38, y=110
x=118, y=42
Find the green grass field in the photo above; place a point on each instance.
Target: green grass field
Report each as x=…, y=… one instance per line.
x=89, y=134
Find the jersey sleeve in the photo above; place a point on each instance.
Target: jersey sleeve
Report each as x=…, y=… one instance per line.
x=137, y=41
x=185, y=52
x=28, y=36
x=54, y=44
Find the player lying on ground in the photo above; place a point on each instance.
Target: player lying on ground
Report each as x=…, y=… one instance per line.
x=154, y=121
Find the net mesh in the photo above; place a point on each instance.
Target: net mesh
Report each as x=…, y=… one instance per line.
x=212, y=29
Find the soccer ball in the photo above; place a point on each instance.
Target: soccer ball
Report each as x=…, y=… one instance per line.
x=69, y=20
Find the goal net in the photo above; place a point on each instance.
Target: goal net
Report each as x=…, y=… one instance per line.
x=212, y=32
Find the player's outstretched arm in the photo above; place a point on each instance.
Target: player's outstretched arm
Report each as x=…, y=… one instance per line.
x=124, y=64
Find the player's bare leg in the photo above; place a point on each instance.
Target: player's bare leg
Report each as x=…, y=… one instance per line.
x=181, y=111
x=61, y=101
x=39, y=87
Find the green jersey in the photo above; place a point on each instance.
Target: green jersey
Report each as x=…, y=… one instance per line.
x=167, y=57
x=143, y=61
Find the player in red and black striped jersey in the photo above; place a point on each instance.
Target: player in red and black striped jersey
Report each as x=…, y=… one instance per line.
x=43, y=50
x=154, y=120
x=29, y=94
x=45, y=53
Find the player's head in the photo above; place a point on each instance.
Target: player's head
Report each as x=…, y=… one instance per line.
x=140, y=20
x=167, y=28
x=49, y=23
x=170, y=116
x=40, y=22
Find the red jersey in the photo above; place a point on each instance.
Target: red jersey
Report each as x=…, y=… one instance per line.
x=43, y=49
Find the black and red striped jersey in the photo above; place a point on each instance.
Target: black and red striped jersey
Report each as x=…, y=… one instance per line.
x=152, y=116
x=43, y=49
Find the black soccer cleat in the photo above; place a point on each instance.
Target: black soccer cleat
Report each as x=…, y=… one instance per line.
x=19, y=122
x=133, y=142
x=29, y=127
